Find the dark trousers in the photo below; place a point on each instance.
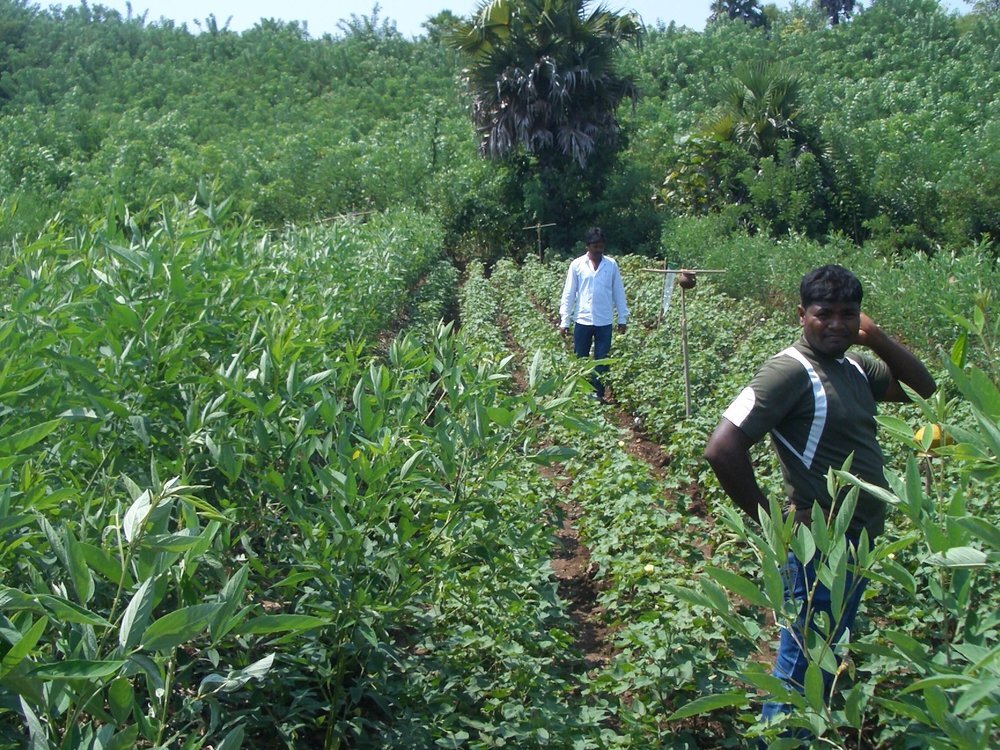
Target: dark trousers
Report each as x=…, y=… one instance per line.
x=790, y=662
x=599, y=338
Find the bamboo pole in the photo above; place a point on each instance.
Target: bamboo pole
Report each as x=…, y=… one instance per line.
x=684, y=337
x=684, y=270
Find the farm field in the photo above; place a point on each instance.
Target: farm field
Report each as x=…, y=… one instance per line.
x=293, y=454
x=227, y=515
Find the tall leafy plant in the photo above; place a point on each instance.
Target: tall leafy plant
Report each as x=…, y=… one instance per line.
x=938, y=683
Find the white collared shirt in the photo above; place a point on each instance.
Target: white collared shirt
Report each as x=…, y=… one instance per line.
x=593, y=294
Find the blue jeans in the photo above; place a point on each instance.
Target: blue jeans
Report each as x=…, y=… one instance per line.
x=790, y=662
x=599, y=337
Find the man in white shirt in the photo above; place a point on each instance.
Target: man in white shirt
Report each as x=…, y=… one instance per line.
x=592, y=294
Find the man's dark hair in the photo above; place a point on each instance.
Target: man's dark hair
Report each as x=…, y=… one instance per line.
x=594, y=234
x=831, y=283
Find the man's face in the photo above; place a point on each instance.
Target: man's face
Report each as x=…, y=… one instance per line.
x=596, y=249
x=830, y=327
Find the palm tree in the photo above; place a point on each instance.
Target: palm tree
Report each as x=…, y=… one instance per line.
x=542, y=77
x=759, y=109
x=741, y=10
x=837, y=9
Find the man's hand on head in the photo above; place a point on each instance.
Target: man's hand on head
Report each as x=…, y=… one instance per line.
x=869, y=334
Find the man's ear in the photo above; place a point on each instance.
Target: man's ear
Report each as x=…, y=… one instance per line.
x=802, y=314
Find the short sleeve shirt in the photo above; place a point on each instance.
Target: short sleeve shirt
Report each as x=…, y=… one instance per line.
x=818, y=410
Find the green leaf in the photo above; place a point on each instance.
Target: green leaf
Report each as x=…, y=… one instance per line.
x=940, y=680
x=269, y=624
x=68, y=611
x=739, y=586
x=134, y=259
x=230, y=596
x=83, y=579
x=78, y=669
x=215, y=683
x=907, y=645
x=981, y=689
x=500, y=416
x=720, y=602
x=125, y=739
x=854, y=703
x=959, y=557
x=36, y=730
x=900, y=575
x=20, y=650
x=19, y=441
x=814, y=692
x=979, y=656
x=136, y=515
x=408, y=465
x=908, y=710
x=804, y=544
x=707, y=703
x=103, y=563
x=13, y=600
x=874, y=490
x=774, y=585
x=898, y=428
x=178, y=627
x=179, y=542
x=317, y=378
x=552, y=454
x=982, y=529
x=233, y=740
x=121, y=698
x=136, y=616
x=691, y=597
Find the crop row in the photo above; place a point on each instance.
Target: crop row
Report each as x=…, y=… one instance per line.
x=726, y=340
x=222, y=517
x=644, y=539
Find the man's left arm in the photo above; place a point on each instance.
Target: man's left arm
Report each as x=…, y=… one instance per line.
x=902, y=363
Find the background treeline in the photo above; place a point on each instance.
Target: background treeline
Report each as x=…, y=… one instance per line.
x=892, y=133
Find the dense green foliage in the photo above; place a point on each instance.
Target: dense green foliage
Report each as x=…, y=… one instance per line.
x=255, y=492
x=685, y=646
x=899, y=108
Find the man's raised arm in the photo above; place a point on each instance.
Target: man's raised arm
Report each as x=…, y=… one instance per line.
x=903, y=364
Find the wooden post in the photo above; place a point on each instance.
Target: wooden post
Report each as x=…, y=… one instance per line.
x=684, y=336
x=538, y=231
x=684, y=355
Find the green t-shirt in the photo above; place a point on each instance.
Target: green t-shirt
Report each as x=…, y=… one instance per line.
x=818, y=410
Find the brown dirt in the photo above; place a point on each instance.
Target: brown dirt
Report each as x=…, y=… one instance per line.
x=574, y=571
x=640, y=446
x=571, y=563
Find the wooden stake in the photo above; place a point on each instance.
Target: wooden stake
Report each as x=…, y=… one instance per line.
x=684, y=336
x=538, y=230
x=684, y=354
x=682, y=270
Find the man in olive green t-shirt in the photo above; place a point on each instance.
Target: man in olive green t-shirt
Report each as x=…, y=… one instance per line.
x=818, y=403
